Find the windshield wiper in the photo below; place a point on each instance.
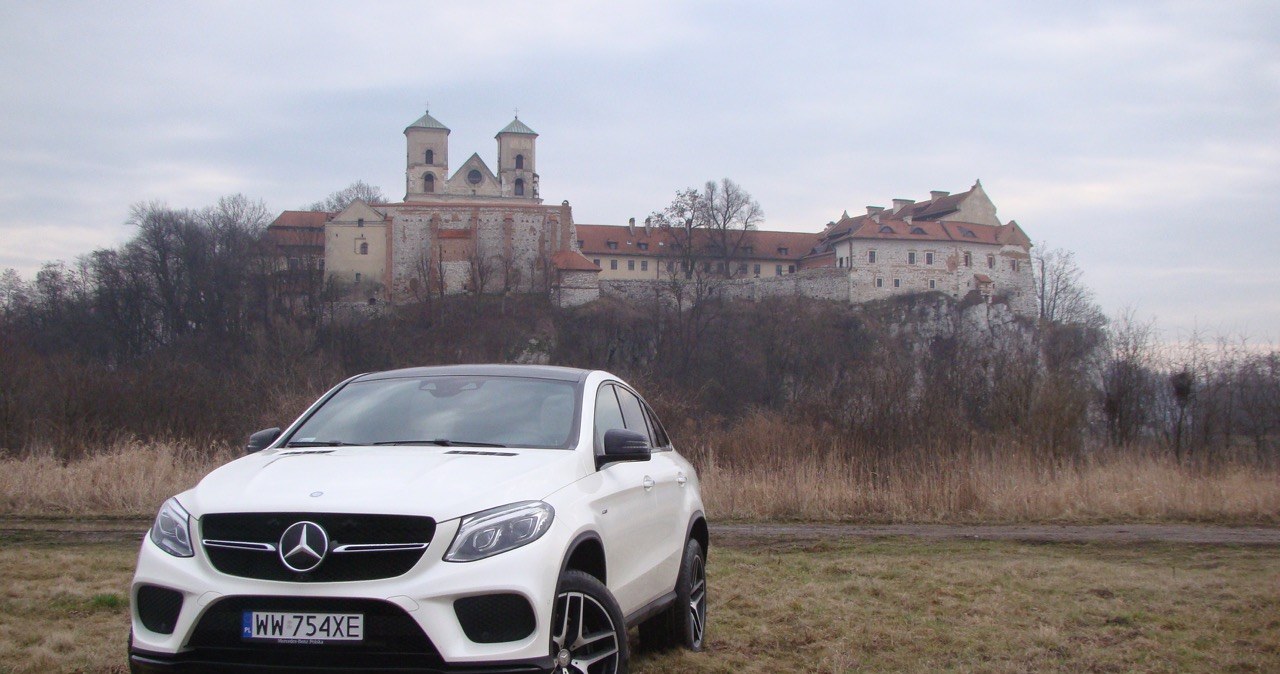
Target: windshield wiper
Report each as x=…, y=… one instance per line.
x=321, y=443
x=442, y=442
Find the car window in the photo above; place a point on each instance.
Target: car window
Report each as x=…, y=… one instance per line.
x=660, y=439
x=633, y=413
x=507, y=411
x=608, y=414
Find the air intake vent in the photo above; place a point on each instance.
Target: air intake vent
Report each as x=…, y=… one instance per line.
x=495, y=618
x=158, y=608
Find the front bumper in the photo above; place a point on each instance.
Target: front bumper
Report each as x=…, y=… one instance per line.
x=413, y=625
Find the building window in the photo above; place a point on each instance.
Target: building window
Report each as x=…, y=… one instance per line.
x=519, y=187
x=360, y=222
x=747, y=250
x=911, y=257
x=917, y=230
x=364, y=248
x=791, y=269
x=579, y=244
x=968, y=259
x=879, y=282
x=357, y=277
x=431, y=156
x=782, y=251
x=613, y=264
x=519, y=161
x=871, y=257
x=932, y=284
x=644, y=265
x=671, y=266
x=631, y=265
x=613, y=245
x=742, y=267
x=428, y=183
x=928, y=258
x=596, y=261
x=756, y=271
x=777, y=271
x=1013, y=265
x=295, y=264
x=897, y=283
x=991, y=262
x=642, y=246
x=474, y=177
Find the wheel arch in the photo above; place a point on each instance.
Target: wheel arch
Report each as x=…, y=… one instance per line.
x=586, y=554
x=699, y=531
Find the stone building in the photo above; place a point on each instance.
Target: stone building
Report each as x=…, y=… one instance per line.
x=950, y=243
x=477, y=229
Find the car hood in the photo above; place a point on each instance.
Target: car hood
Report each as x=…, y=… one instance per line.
x=439, y=482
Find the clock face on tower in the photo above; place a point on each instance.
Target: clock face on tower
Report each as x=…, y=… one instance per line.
x=474, y=177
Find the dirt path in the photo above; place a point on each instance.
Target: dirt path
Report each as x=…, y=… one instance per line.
x=76, y=530
x=747, y=535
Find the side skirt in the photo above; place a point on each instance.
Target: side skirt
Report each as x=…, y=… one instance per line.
x=651, y=609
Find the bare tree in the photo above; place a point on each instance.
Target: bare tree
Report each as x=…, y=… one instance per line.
x=727, y=212
x=342, y=198
x=1128, y=378
x=1062, y=296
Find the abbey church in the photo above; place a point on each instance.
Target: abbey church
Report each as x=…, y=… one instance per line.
x=479, y=229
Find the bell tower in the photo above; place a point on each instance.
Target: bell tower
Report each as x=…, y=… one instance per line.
x=517, y=161
x=427, y=158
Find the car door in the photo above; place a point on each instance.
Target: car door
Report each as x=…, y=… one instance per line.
x=627, y=517
x=664, y=500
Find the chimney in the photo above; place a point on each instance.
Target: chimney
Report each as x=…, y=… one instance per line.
x=875, y=210
x=647, y=226
x=937, y=194
x=631, y=226
x=908, y=219
x=899, y=204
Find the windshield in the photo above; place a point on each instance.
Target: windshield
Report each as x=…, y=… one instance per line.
x=478, y=411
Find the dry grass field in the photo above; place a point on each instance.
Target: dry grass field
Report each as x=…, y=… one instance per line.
x=890, y=605
x=750, y=479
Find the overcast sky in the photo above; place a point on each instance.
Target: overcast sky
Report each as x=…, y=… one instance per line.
x=1143, y=136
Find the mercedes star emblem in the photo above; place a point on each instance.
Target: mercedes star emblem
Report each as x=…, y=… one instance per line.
x=303, y=546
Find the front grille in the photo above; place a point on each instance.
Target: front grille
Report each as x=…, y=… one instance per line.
x=495, y=618
x=390, y=635
x=263, y=530
x=158, y=608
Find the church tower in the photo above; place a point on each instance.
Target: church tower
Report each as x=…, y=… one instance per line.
x=427, y=161
x=517, y=161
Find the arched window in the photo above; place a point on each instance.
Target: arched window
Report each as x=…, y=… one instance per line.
x=519, y=161
x=519, y=187
x=364, y=248
x=428, y=182
x=431, y=156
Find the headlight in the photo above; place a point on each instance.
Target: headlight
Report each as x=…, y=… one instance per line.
x=491, y=532
x=172, y=529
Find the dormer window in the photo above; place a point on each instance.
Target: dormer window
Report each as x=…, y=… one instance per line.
x=886, y=229
x=965, y=232
x=782, y=251
x=917, y=230
x=613, y=245
x=519, y=161
x=642, y=245
x=431, y=157
x=579, y=244
x=748, y=249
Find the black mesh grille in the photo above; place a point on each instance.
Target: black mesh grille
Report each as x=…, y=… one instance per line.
x=495, y=618
x=343, y=529
x=158, y=608
x=390, y=635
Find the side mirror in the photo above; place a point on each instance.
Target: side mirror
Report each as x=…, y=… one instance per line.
x=623, y=445
x=261, y=440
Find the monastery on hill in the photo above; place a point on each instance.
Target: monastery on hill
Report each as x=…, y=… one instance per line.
x=482, y=229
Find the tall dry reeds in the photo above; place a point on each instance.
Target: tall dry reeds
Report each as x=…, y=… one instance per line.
x=767, y=468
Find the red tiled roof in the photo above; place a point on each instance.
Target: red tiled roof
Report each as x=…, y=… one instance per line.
x=302, y=219
x=982, y=278
x=293, y=229
x=569, y=260
x=892, y=227
x=763, y=244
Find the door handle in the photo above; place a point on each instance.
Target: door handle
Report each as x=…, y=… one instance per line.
x=681, y=479
x=648, y=483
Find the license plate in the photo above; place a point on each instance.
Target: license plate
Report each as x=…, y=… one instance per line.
x=303, y=628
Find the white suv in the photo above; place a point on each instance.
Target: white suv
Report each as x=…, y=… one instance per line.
x=445, y=519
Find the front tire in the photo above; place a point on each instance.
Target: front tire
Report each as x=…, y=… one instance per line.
x=588, y=635
x=685, y=623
